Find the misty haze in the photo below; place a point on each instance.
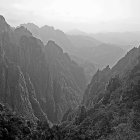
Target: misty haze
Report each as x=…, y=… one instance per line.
x=69, y=70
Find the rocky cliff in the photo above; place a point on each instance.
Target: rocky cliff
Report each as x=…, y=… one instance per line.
x=111, y=104
x=13, y=88
x=97, y=87
x=53, y=81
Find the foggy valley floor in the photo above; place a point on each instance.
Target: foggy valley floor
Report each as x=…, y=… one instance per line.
x=55, y=86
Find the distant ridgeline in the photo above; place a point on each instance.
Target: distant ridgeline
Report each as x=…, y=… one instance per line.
x=41, y=85
x=88, y=52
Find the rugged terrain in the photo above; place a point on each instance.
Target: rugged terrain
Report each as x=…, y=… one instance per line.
x=84, y=48
x=44, y=77
x=40, y=86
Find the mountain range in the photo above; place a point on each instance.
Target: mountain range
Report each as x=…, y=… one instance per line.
x=125, y=39
x=83, y=47
x=44, y=93
x=46, y=80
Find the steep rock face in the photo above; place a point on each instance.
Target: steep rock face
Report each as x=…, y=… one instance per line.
x=116, y=116
x=3, y=25
x=53, y=74
x=32, y=61
x=19, y=47
x=38, y=112
x=51, y=77
x=55, y=54
x=11, y=43
x=63, y=89
x=13, y=88
x=97, y=87
x=112, y=108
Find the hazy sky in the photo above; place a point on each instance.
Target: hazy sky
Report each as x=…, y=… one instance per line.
x=85, y=15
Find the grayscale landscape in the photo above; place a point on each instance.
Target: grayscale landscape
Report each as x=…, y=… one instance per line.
x=69, y=70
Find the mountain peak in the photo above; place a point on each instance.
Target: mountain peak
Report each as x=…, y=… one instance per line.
x=53, y=50
x=51, y=44
x=30, y=26
x=22, y=31
x=2, y=19
x=107, y=68
x=4, y=27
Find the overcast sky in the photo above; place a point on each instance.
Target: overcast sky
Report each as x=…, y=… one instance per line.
x=85, y=15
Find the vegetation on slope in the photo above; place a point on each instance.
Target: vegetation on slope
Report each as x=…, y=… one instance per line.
x=115, y=117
